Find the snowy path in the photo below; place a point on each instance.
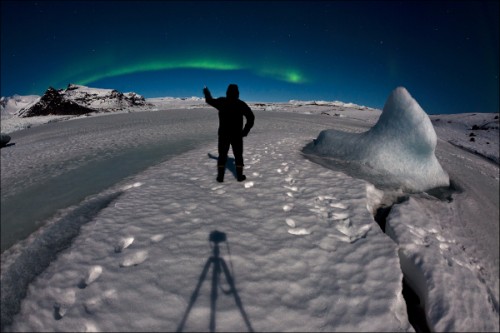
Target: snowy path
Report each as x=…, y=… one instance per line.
x=299, y=252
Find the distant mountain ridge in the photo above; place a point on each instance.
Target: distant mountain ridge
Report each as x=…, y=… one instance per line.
x=11, y=105
x=53, y=103
x=78, y=100
x=100, y=99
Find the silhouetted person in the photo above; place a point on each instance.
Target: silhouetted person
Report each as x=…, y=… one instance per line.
x=231, y=130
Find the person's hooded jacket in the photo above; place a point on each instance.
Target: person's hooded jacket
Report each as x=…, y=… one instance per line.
x=231, y=112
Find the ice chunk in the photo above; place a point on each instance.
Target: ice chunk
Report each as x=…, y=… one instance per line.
x=400, y=147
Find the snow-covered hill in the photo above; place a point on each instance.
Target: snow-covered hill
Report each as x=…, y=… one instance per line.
x=103, y=99
x=53, y=103
x=11, y=105
x=74, y=100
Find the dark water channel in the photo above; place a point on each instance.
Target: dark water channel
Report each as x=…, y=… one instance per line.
x=23, y=212
x=26, y=207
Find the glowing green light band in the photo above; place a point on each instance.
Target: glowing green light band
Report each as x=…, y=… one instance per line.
x=107, y=71
x=160, y=65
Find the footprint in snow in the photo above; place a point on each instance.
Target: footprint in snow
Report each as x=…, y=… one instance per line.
x=292, y=188
x=349, y=233
x=249, y=184
x=92, y=275
x=58, y=313
x=336, y=214
x=299, y=231
x=339, y=205
x=328, y=207
x=93, y=304
x=123, y=243
x=296, y=231
x=134, y=259
x=218, y=189
x=157, y=238
x=339, y=216
x=63, y=303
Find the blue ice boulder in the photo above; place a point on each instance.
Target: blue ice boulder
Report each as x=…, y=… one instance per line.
x=400, y=147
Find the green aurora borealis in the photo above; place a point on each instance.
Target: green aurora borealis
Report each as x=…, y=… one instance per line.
x=445, y=53
x=286, y=75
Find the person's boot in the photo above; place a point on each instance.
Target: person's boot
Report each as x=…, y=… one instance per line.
x=220, y=173
x=239, y=173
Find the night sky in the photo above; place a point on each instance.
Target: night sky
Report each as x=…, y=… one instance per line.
x=445, y=53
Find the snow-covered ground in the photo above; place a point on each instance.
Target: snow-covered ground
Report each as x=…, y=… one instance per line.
x=303, y=249
x=475, y=132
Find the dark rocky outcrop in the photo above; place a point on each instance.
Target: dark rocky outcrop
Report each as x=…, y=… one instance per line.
x=78, y=100
x=53, y=103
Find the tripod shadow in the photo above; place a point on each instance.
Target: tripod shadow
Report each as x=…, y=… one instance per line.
x=219, y=266
x=229, y=163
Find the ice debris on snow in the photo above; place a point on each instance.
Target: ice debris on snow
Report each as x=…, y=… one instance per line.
x=400, y=146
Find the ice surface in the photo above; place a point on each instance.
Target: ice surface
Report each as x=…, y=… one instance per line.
x=418, y=231
x=302, y=244
x=332, y=260
x=400, y=147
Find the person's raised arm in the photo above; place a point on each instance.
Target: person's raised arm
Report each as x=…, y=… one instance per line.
x=208, y=97
x=207, y=93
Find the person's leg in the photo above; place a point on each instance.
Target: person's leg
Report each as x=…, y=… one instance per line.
x=223, y=148
x=237, y=145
